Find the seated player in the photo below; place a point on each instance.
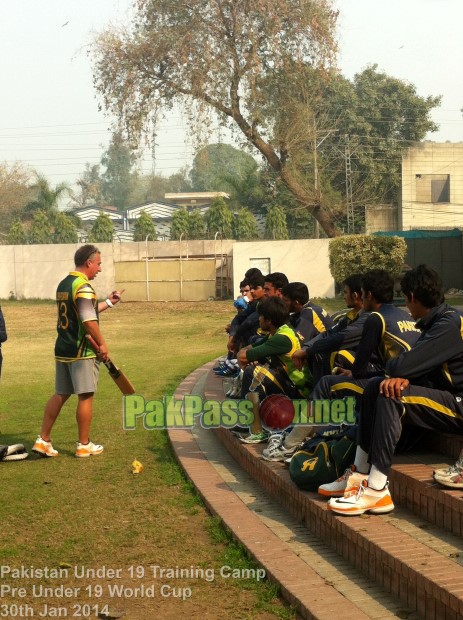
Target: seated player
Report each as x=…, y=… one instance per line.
x=268, y=368
x=336, y=347
x=308, y=319
x=249, y=323
x=228, y=367
x=424, y=388
x=387, y=331
x=274, y=283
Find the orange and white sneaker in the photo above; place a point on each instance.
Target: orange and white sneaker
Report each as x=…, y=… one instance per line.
x=44, y=448
x=349, y=481
x=363, y=499
x=88, y=449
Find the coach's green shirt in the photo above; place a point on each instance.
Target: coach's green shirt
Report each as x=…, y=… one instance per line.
x=71, y=343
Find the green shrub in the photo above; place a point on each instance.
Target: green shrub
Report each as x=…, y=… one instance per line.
x=360, y=253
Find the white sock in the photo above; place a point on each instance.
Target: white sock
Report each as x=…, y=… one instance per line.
x=361, y=461
x=376, y=479
x=298, y=434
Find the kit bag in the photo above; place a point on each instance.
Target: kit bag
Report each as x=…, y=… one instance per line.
x=324, y=457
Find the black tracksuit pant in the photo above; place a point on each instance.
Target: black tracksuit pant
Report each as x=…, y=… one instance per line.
x=381, y=419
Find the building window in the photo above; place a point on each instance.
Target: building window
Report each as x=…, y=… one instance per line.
x=432, y=188
x=260, y=263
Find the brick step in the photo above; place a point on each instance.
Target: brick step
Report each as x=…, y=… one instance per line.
x=411, y=480
x=413, y=487
x=312, y=577
x=422, y=578
x=403, y=555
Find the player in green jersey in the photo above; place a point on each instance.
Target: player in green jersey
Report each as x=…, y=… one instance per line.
x=76, y=362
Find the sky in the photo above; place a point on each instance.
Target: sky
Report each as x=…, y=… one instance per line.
x=49, y=117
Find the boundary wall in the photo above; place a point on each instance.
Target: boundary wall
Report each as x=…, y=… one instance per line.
x=33, y=271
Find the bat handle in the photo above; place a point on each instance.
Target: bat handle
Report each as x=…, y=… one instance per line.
x=93, y=343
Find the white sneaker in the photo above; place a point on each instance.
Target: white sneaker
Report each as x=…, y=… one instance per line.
x=363, y=499
x=276, y=439
x=278, y=452
x=452, y=476
x=88, y=449
x=349, y=481
x=44, y=448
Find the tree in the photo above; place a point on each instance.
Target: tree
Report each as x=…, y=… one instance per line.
x=17, y=234
x=90, y=185
x=275, y=224
x=65, y=229
x=374, y=119
x=214, y=164
x=119, y=177
x=219, y=219
x=41, y=228
x=245, y=226
x=46, y=198
x=144, y=227
x=196, y=225
x=153, y=187
x=180, y=224
x=249, y=188
x=14, y=193
x=240, y=60
x=102, y=230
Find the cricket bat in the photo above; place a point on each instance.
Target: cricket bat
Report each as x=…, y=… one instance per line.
x=116, y=374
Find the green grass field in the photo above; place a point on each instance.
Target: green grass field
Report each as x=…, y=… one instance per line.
x=94, y=512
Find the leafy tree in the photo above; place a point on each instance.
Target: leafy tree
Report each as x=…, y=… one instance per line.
x=196, y=225
x=275, y=224
x=245, y=226
x=90, y=186
x=375, y=118
x=179, y=181
x=144, y=226
x=65, y=229
x=14, y=193
x=300, y=224
x=214, y=164
x=180, y=224
x=249, y=188
x=223, y=57
x=119, y=177
x=219, y=219
x=102, y=230
x=41, y=228
x=46, y=198
x=17, y=234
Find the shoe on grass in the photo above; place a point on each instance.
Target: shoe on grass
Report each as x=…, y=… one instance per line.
x=44, y=448
x=361, y=500
x=349, y=481
x=452, y=476
x=88, y=449
x=255, y=438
